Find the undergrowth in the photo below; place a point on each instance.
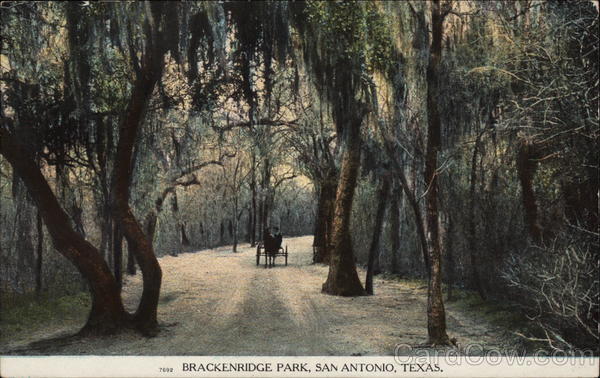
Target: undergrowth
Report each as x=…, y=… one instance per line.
x=31, y=312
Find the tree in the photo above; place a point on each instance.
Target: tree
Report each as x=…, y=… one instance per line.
x=149, y=73
x=314, y=144
x=339, y=64
x=107, y=314
x=382, y=198
x=436, y=315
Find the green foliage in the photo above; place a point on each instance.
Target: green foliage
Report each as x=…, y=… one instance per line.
x=31, y=313
x=353, y=31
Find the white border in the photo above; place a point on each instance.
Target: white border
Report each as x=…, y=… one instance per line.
x=121, y=366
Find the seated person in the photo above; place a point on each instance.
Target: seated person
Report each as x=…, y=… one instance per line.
x=269, y=241
x=277, y=238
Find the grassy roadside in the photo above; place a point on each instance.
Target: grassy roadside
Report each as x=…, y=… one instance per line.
x=30, y=313
x=502, y=316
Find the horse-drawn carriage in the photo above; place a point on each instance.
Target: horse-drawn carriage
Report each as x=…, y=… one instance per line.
x=270, y=256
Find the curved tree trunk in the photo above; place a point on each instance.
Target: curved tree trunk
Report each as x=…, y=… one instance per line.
x=382, y=196
x=107, y=314
x=343, y=278
x=150, y=72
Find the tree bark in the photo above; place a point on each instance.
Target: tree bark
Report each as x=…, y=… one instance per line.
x=342, y=278
x=382, y=196
x=150, y=72
x=118, y=256
x=325, y=207
x=107, y=314
x=436, y=315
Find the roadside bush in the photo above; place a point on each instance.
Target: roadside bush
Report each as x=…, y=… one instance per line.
x=557, y=287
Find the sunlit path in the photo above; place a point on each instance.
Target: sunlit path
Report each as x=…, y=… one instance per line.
x=215, y=302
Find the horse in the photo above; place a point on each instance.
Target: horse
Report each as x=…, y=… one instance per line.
x=272, y=244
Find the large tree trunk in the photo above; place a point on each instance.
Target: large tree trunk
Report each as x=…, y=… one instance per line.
x=325, y=207
x=343, y=278
x=151, y=70
x=436, y=315
x=382, y=196
x=107, y=314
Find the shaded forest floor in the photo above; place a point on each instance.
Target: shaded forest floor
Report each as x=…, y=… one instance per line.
x=214, y=302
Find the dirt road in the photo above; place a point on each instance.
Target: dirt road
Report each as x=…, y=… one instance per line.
x=215, y=302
